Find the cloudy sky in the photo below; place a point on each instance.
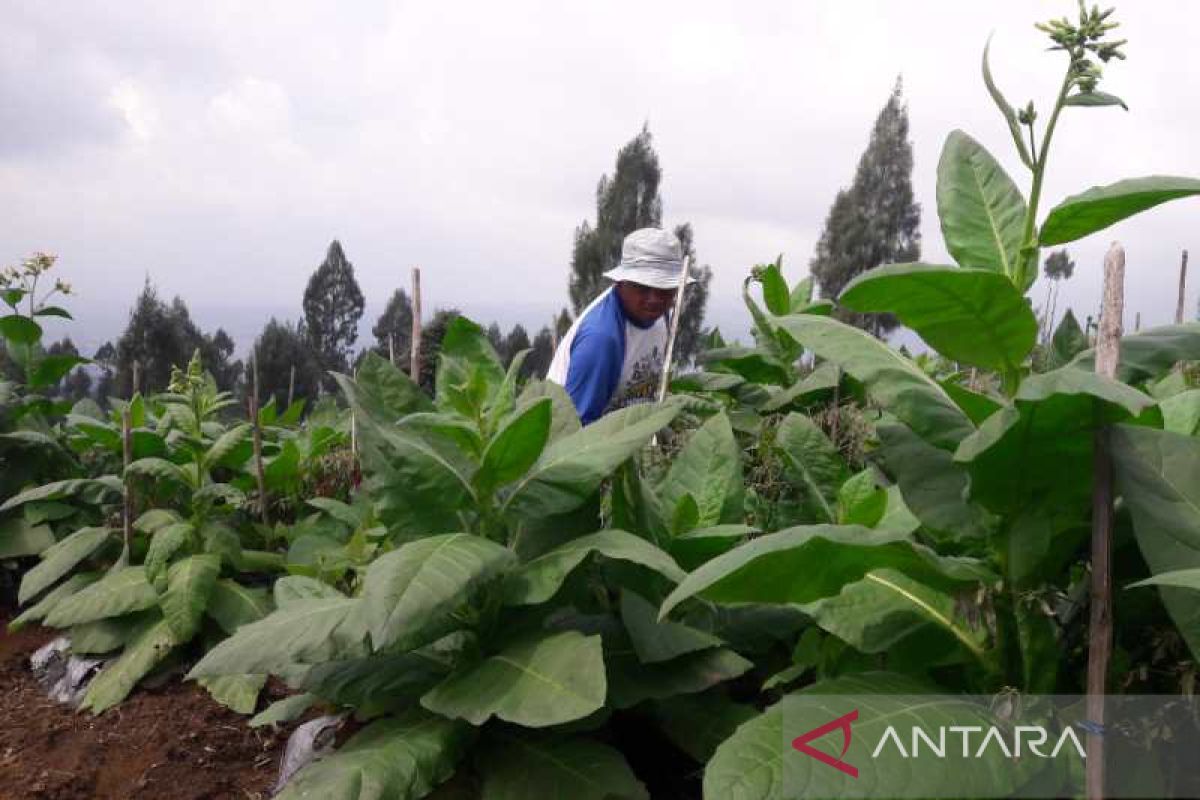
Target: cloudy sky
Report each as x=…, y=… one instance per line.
x=218, y=147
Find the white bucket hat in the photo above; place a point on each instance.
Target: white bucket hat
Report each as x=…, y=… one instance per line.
x=650, y=257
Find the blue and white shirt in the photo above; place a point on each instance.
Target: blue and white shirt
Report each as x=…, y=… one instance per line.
x=607, y=361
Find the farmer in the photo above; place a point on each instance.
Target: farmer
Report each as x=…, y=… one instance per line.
x=612, y=356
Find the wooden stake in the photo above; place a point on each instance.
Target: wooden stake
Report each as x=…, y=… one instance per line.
x=554, y=333
x=414, y=369
x=1137, y=322
x=257, y=433
x=392, y=348
x=1108, y=348
x=1182, y=286
x=127, y=500
x=291, y=384
x=674, y=331
x=137, y=377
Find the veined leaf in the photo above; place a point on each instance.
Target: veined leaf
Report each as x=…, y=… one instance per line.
x=814, y=463
x=469, y=373
x=1101, y=206
x=378, y=684
x=981, y=210
x=1068, y=341
x=934, y=486
x=116, y=681
x=165, y=542
x=1182, y=578
x=750, y=363
x=388, y=391
x=504, y=402
x=226, y=442
x=285, y=710
x=88, y=490
x=515, y=447
x=709, y=468
x=20, y=329
x=886, y=606
x=655, y=641
x=306, y=632
x=547, y=679
x=1093, y=99
x=60, y=559
x=238, y=693
x=819, y=382
x=970, y=315
x=398, y=758
x=1010, y=116
x=1181, y=413
x=571, y=469
x=698, y=723
x=119, y=592
x=522, y=767
x=107, y=635
x=291, y=588
x=159, y=469
x=775, y=290
x=631, y=682
x=539, y=579
x=19, y=538
x=409, y=593
x=1156, y=475
x=233, y=605
x=804, y=564
x=189, y=584
x=702, y=544
x=52, y=369
x=890, y=379
x=564, y=419
x=346, y=514
x=1149, y=354
x=860, y=501
x=39, y=610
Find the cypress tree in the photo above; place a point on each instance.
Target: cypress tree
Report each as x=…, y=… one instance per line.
x=875, y=221
x=394, y=329
x=333, y=305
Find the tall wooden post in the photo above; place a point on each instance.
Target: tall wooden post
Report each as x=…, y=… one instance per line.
x=414, y=369
x=127, y=498
x=137, y=377
x=1182, y=286
x=291, y=383
x=1137, y=322
x=392, y=348
x=1108, y=348
x=260, y=474
x=554, y=333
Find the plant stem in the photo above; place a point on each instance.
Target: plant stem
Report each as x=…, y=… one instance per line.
x=1029, y=248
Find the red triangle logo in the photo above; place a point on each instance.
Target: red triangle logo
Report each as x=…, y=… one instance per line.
x=843, y=723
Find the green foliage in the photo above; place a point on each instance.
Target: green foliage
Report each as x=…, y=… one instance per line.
x=333, y=305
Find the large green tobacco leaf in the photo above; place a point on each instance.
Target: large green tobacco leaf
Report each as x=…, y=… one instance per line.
x=238, y=693
x=886, y=606
x=107, y=635
x=564, y=419
x=1042, y=444
x=813, y=463
x=283, y=711
x=1181, y=413
x=377, y=684
x=1182, y=578
x=750, y=363
x=389, y=391
x=819, y=382
x=226, y=443
x=20, y=329
x=969, y=315
x=702, y=544
x=933, y=485
x=164, y=543
x=158, y=469
x=1158, y=476
x=1101, y=206
x=981, y=210
x=803, y=564
x=576, y=768
x=39, y=610
x=86, y=490
x=306, y=632
x=891, y=380
x=398, y=758
x=469, y=372
x=757, y=763
x=571, y=468
x=1150, y=354
x=410, y=593
x=189, y=584
x=19, y=538
x=233, y=605
x=539, y=579
x=709, y=469
x=631, y=682
x=546, y=679
x=655, y=641
x=116, y=681
x=60, y=559
x=861, y=501
x=289, y=589
x=119, y=592
x=515, y=447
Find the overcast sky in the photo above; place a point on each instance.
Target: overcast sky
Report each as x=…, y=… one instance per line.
x=218, y=147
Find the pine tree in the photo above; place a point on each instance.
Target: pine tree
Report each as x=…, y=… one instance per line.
x=624, y=203
x=393, y=329
x=541, y=353
x=516, y=341
x=875, y=221
x=280, y=347
x=333, y=305
x=1057, y=268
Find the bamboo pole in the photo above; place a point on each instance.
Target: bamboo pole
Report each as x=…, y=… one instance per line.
x=554, y=333
x=291, y=384
x=1100, y=622
x=1182, y=286
x=1137, y=322
x=414, y=369
x=392, y=348
x=665, y=380
x=127, y=498
x=259, y=473
x=137, y=377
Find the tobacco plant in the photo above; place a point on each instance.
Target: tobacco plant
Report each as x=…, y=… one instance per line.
x=174, y=578
x=988, y=589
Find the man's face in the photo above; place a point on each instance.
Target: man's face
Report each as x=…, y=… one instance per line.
x=644, y=304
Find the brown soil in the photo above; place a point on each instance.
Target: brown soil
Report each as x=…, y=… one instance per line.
x=171, y=742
